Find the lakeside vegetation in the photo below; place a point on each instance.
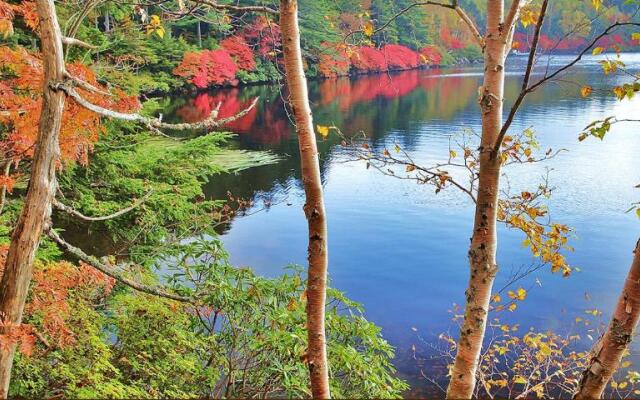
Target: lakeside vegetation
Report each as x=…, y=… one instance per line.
x=164, y=314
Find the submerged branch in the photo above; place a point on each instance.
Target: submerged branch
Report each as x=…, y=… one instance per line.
x=71, y=211
x=112, y=271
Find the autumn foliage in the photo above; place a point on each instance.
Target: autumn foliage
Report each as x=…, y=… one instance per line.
x=54, y=287
x=21, y=102
x=240, y=52
x=208, y=68
x=401, y=57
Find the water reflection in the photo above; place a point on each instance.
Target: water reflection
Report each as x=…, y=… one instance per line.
x=398, y=247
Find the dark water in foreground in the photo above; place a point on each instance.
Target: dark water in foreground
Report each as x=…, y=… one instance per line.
x=399, y=248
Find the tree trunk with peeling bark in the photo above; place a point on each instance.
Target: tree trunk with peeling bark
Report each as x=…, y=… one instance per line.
x=314, y=206
x=482, y=252
x=607, y=353
x=36, y=213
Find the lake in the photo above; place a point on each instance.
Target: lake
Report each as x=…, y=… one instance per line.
x=399, y=248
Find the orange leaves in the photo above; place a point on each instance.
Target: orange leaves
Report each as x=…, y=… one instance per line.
x=20, y=96
x=586, y=91
x=54, y=285
x=8, y=11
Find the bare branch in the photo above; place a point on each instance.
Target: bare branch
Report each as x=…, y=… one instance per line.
x=85, y=85
x=452, y=6
x=512, y=16
x=526, y=89
x=525, y=81
x=75, y=213
x=112, y=272
x=471, y=25
x=69, y=41
x=234, y=8
x=156, y=124
x=581, y=54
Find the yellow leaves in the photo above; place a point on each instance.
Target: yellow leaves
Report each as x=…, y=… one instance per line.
x=593, y=312
x=619, y=92
x=635, y=36
x=368, y=29
x=611, y=66
x=155, y=26
x=322, y=130
x=452, y=154
x=626, y=364
x=512, y=307
x=597, y=50
x=545, y=350
x=586, y=91
x=519, y=294
x=519, y=380
x=596, y=4
x=496, y=298
x=529, y=16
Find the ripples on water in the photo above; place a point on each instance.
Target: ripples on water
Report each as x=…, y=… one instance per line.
x=399, y=248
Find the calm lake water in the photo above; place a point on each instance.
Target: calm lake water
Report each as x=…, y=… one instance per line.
x=399, y=248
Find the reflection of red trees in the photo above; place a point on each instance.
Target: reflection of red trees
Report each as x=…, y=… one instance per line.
x=270, y=124
x=200, y=108
x=367, y=88
x=239, y=52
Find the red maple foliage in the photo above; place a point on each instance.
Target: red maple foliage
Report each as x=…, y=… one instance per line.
x=334, y=61
x=400, y=57
x=431, y=55
x=448, y=40
x=264, y=35
x=208, y=68
x=368, y=59
x=240, y=52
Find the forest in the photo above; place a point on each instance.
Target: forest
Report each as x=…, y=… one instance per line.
x=319, y=199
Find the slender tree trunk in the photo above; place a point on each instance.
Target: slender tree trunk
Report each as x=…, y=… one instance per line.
x=607, y=353
x=3, y=190
x=37, y=207
x=107, y=23
x=199, y=35
x=314, y=207
x=482, y=252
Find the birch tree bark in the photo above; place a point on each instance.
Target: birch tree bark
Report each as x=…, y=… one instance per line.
x=26, y=235
x=314, y=206
x=607, y=353
x=482, y=252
